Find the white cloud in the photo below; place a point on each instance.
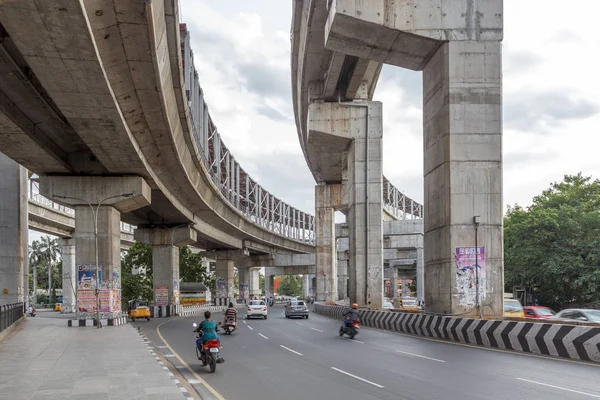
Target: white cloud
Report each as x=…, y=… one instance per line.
x=551, y=102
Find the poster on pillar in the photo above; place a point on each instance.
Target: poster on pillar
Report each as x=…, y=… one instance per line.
x=221, y=287
x=161, y=295
x=470, y=275
x=244, y=291
x=110, y=300
x=86, y=276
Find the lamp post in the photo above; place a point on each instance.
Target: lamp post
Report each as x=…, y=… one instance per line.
x=95, y=215
x=476, y=223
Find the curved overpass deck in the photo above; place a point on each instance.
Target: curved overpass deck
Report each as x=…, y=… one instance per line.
x=115, y=76
x=320, y=74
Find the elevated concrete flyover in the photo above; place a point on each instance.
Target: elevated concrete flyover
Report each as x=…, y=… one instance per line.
x=102, y=100
x=338, y=48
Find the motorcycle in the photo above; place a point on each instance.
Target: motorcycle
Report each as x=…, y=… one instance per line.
x=210, y=351
x=229, y=326
x=351, y=330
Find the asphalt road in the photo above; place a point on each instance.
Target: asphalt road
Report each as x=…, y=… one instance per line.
x=303, y=359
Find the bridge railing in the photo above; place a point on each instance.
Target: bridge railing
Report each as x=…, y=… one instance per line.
x=9, y=314
x=237, y=187
x=398, y=204
x=35, y=197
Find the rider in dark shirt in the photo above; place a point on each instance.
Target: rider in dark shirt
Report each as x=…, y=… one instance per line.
x=351, y=315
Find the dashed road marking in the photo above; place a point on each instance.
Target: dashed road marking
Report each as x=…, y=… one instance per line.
x=561, y=388
x=260, y=334
x=417, y=355
x=288, y=349
x=356, y=377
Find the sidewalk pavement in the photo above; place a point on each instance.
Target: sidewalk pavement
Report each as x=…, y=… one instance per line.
x=45, y=359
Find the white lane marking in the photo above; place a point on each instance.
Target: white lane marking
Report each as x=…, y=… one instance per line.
x=288, y=349
x=249, y=327
x=356, y=341
x=169, y=355
x=416, y=355
x=561, y=388
x=260, y=334
x=299, y=323
x=315, y=329
x=244, y=321
x=356, y=377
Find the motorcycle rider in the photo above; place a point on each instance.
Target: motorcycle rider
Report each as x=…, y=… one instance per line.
x=209, y=329
x=230, y=313
x=351, y=315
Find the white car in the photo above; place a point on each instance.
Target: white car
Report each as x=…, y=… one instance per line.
x=387, y=305
x=256, y=308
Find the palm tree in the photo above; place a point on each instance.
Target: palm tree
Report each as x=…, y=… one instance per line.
x=44, y=253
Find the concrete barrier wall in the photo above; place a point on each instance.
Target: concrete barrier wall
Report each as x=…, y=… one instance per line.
x=567, y=341
x=193, y=310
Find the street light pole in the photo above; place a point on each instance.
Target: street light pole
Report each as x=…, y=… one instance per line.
x=476, y=222
x=95, y=216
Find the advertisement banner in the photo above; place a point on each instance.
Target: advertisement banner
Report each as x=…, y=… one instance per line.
x=161, y=295
x=244, y=291
x=192, y=299
x=470, y=263
x=86, y=276
x=221, y=287
x=110, y=300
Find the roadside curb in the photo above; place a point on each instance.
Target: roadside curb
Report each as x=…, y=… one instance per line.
x=176, y=381
x=572, y=342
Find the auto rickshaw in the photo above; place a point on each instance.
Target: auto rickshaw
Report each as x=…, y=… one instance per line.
x=138, y=309
x=58, y=307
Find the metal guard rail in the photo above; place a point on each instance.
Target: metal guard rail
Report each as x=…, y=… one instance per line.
x=10, y=313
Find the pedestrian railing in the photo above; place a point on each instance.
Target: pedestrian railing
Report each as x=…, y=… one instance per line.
x=9, y=314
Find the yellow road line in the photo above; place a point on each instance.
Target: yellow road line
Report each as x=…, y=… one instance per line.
x=204, y=383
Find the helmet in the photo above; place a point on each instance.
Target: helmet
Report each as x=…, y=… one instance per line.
x=354, y=305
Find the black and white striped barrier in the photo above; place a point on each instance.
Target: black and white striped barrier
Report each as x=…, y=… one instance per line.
x=165, y=311
x=194, y=310
x=93, y=322
x=567, y=341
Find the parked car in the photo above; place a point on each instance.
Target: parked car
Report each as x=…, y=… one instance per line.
x=513, y=308
x=538, y=312
x=577, y=314
x=257, y=308
x=387, y=305
x=296, y=308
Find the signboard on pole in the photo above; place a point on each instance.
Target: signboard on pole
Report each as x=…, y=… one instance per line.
x=161, y=295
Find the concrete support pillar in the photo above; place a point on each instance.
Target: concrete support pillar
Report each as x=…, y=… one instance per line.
x=225, y=279
x=365, y=215
x=269, y=282
x=392, y=275
x=305, y=286
x=14, y=275
x=109, y=240
x=165, y=243
x=69, y=276
x=327, y=198
x=405, y=284
x=342, y=279
x=244, y=283
x=100, y=199
x=462, y=108
x=254, y=282
x=165, y=274
x=420, y=277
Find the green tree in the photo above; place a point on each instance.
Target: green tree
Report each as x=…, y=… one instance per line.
x=261, y=283
x=192, y=270
x=553, y=247
x=139, y=285
x=44, y=256
x=290, y=285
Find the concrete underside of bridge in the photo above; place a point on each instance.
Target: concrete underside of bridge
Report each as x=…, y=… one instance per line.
x=14, y=273
x=94, y=90
x=457, y=45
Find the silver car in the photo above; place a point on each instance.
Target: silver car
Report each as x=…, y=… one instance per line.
x=296, y=308
x=578, y=315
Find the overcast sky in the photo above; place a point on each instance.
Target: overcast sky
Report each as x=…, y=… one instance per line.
x=551, y=96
